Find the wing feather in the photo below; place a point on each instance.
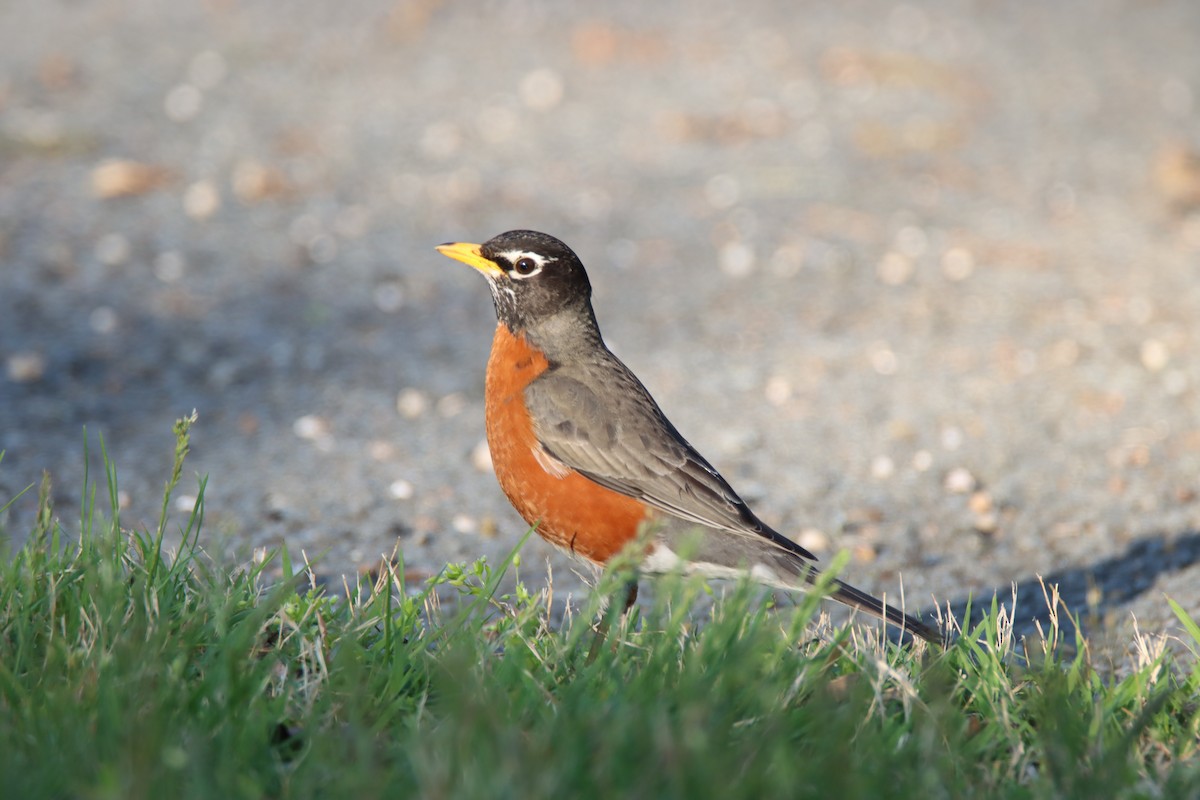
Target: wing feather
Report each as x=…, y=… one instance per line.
x=617, y=436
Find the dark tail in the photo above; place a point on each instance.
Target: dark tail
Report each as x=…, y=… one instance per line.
x=803, y=563
x=794, y=566
x=845, y=593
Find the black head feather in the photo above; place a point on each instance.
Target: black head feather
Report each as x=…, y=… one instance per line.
x=539, y=277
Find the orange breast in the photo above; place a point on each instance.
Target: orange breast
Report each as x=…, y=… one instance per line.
x=569, y=510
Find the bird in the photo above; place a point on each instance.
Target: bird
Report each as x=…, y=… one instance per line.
x=587, y=457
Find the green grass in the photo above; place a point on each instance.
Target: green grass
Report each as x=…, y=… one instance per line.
x=127, y=673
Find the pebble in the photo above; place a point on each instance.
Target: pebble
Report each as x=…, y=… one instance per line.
x=959, y=481
x=277, y=505
x=451, y=405
x=248, y=423
x=865, y=553
x=883, y=359
x=103, y=320
x=813, y=539
x=882, y=467
x=922, y=460
x=201, y=200
x=185, y=503
x=862, y=517
x=254, y=181
x=595, y=43
x=1155, y=355
x=1177, y=176
x=310, y=427
x=464, y=523
x=401, y=489
x=778, y=390
x=183, y=103
x=411, y=403
x=957, y=264
x=40, y=128
x=737, y=259
x=119, y=177
x=951, y=438
x=987, y=523
x=488, y=527
x=481, y=456
x=26, y=367
x=381, y=450
x=542, y=89
x=980, y=502
x=901, y=430
x=315, y=429
x=895, y=269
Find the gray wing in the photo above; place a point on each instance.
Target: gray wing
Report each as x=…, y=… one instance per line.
x=600, y=421
x=616, y=435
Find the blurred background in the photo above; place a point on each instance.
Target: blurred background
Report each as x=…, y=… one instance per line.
x=921, y=279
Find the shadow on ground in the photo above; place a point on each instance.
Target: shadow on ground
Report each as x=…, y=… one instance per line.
x=1087, y=594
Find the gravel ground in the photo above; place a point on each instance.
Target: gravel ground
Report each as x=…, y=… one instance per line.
x=921, y=279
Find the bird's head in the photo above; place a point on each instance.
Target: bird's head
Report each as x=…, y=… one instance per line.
x=533, y=276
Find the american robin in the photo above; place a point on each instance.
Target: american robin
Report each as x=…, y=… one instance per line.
x=586, y=455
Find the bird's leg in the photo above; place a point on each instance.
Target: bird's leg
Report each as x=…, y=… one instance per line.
x=631, y=593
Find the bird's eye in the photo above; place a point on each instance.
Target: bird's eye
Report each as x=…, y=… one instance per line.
x=525, y=266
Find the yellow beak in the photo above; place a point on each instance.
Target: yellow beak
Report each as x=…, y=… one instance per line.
x=470, y=255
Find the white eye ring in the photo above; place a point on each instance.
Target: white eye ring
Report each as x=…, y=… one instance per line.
x=526, y=266
x=524, y=263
